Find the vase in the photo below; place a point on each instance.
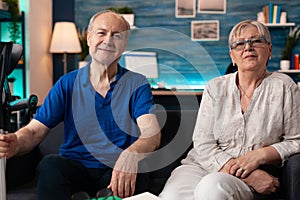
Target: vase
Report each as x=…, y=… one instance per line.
x=285, y=64
x=129, y=18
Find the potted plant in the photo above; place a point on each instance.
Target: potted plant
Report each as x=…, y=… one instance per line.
x=14, y=27
x=82, y=35
x=126, y=12
x=291, y=42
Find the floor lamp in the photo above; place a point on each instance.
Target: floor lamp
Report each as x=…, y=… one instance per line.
x=65, y=40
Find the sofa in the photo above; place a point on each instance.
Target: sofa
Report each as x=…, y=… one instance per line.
x=177, y=125
x=21, y=175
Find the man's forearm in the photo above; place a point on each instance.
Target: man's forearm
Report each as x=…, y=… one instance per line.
x=150, y=135
x=145, y=145
x=30, y=136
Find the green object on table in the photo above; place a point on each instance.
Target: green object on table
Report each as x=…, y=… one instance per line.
x=107, y=198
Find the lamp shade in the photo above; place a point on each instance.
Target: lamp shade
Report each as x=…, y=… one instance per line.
x=65, y=38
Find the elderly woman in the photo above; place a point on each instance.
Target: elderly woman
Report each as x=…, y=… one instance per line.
x=247, y=122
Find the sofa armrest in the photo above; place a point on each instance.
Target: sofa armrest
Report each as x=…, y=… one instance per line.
x=291, y=177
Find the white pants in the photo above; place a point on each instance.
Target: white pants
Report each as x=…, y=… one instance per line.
x=189, y=182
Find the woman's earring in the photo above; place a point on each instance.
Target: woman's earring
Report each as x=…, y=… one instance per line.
x=270, y=57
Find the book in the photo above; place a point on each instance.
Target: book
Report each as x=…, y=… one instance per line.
x=270, y=12
x=296, y=61
x=266, y=13
x=278, y=14
x=275, y=7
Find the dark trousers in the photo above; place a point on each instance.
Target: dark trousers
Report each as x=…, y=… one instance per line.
x=59, y=178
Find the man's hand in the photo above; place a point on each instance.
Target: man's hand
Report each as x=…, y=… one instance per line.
x=124, y=175
x=8, y=145
x=125, y=170
x=262, y=182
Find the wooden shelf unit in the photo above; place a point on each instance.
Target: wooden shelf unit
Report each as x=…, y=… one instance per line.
x=290, y=24
x=290, y=71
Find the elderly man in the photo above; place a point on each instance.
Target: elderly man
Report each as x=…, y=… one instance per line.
x=109, y=121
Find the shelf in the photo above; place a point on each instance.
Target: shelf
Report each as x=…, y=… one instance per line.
x=280, y=25
x=290, y=71
x=20, y=72
x=4, y=15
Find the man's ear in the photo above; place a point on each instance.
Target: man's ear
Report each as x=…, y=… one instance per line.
x=88, y=38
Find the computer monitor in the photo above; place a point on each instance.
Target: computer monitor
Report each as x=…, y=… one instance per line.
x=142, y=62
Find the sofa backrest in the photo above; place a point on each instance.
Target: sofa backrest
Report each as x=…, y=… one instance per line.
x=177, y=128
x=52, y=142
x=172, y=122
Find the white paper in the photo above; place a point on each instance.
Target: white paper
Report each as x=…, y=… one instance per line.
x=143, y=196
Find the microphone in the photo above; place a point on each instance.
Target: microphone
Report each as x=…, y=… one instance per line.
x=102, y=194
x=105, y=192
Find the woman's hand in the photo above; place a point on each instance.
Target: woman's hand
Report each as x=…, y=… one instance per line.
x=245, y=164
x=242, y=166
x=262, y=182
x=259, y=180
x=226, y=168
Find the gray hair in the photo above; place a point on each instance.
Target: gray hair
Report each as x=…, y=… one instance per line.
x=91, y=23
x=237, y=29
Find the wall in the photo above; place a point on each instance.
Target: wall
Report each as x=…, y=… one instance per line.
x=38, y=17
x=62, y=11
x=42, y=70
x=183, y=62
x=38, y=24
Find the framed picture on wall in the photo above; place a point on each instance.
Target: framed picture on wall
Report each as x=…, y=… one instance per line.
x=212, y=6
x=185, y=8
x=205, y=30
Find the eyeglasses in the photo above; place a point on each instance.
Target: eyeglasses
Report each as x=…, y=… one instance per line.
x=253, y=42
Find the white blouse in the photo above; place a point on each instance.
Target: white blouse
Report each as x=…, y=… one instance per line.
x=223, y=132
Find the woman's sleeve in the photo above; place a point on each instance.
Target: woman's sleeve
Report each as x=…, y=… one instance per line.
x=291, y=109
x=209, y=155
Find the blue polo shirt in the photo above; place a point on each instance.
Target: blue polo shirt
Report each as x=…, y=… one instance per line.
x=96, y=129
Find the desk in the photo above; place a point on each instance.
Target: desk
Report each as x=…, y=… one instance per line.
x=177, y=100
x=172, y=93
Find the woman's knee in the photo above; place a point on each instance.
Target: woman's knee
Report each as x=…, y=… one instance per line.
x=182, y=183
x=224, y=186
x=209, y=182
